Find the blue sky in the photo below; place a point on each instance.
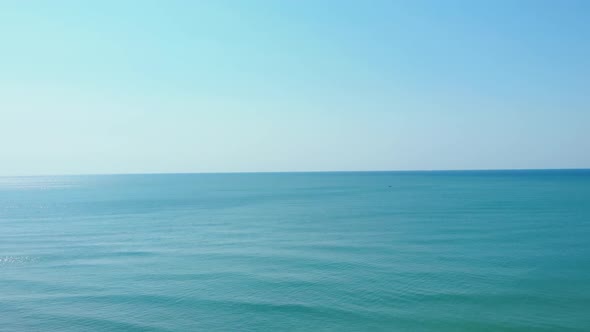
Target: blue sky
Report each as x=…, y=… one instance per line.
x=226, y=86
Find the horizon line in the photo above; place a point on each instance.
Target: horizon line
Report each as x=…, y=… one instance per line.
x=311, y=171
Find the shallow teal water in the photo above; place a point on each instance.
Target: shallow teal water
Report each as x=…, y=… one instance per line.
x=376, y=251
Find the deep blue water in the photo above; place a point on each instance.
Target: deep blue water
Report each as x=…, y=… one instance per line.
x=374, y=251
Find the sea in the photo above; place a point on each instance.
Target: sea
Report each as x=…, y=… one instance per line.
x=327, y=251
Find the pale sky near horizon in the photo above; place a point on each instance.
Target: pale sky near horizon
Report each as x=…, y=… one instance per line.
x=227, y=86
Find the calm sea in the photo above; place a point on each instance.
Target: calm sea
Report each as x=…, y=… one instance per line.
x=367, y=251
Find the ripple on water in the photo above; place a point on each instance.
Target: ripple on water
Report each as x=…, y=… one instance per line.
x=17, y=260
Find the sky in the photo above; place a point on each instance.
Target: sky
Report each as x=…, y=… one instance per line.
x=89, y=87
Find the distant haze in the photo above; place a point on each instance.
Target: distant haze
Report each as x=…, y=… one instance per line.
x=229, y=86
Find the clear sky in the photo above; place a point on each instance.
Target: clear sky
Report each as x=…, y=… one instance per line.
x=216, y=86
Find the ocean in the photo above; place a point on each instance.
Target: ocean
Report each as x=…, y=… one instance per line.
x=335, y=251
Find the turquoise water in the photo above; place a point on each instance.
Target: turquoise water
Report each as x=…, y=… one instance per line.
x=375, y=251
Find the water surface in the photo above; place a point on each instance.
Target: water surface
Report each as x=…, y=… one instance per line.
x=374, y=251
